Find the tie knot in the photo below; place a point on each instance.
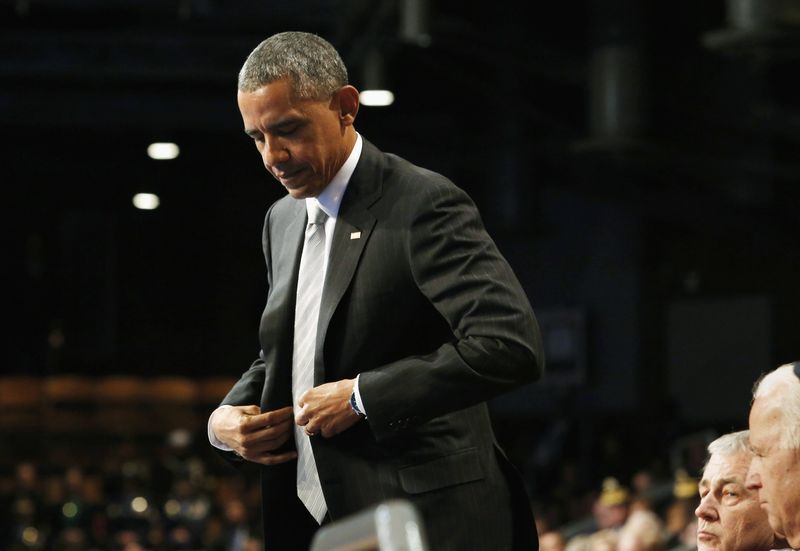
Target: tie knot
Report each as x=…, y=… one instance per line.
x=316, y=215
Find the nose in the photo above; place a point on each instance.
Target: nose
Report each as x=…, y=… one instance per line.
x=705, y=511
x=274, y=152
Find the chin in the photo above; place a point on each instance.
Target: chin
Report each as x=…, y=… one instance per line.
x=296, y=193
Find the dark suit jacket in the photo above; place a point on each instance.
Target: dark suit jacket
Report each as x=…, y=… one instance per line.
x=419, y=301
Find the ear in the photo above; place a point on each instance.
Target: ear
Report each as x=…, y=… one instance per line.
x=348, y=105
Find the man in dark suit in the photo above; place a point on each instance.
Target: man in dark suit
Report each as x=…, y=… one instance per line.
x=419, y=321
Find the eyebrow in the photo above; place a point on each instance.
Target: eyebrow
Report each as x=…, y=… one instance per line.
x=705, y=483
x=726, y=481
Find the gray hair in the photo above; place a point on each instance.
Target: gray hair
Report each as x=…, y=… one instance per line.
x=310, y=62
x=730, y=444
x=782, y=388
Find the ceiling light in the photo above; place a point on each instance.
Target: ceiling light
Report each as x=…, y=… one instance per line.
x=376, y=98
x=146, y=201
x=163, y=151
x=375, y=92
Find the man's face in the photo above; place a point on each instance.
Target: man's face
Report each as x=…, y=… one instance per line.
x=729, y=516
x=774, y=472
x=302, y=142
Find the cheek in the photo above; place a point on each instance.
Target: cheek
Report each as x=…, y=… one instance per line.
x=753, y=526
x=770, y=475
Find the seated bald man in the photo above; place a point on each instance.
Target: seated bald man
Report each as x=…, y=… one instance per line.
x=775, y=444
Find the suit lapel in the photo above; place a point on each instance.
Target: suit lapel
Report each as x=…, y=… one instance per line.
x=354, y=225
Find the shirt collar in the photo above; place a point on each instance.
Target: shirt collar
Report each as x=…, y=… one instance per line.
x=331, y=197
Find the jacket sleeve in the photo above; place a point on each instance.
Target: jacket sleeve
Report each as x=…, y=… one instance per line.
x=496, y=344
x=250, y=386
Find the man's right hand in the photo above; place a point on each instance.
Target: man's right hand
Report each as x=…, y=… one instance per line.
x=254, y=435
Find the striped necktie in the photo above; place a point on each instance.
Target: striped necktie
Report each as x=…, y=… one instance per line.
x=309, y=294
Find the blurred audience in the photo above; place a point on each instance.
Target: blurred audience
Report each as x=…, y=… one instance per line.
x=610, y=510
x=642, y=531
x=175, y=494
x=680, y=522
x=606, y=539
x=552, y=541
x=125, y=508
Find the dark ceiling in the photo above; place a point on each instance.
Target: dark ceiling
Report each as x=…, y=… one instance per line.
x=687, y=112
x=693, y=94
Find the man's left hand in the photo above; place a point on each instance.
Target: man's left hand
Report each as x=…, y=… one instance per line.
x=326, y=410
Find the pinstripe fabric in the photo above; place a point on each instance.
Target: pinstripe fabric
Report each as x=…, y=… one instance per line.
x=309, y=293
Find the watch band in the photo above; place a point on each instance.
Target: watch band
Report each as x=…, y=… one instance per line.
x=354, y=405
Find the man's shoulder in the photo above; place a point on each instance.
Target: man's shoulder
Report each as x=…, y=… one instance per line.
x=410, y=180
x=393, y=165
x=282, y=213
x=286, y=205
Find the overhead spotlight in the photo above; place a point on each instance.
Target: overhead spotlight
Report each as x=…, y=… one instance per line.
x=163, y=151
x=376, y=98
x=375, y=92
x=146, y=201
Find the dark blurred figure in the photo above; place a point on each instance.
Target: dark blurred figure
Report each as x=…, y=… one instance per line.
x=610, y=510
x=642, y=531
x=186, y=510
x=238, y=526
x=131, y=510
x=25, y=517
x=552, y=541
x=680, y=522
x=77, y=516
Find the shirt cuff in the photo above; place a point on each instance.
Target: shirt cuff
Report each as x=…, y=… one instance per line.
x=212, y=438
x=359, y=402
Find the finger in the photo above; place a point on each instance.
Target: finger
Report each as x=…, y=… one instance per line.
x=276, y=431
x=270, y=432
x=302, y=418
x=266, y=420
x=254, y=445
x=278, y=415
x=301, y=401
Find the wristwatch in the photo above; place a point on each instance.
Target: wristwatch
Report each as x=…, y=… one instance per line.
x=354, y=405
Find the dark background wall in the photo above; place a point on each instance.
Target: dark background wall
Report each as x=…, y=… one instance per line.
x=636, y=162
